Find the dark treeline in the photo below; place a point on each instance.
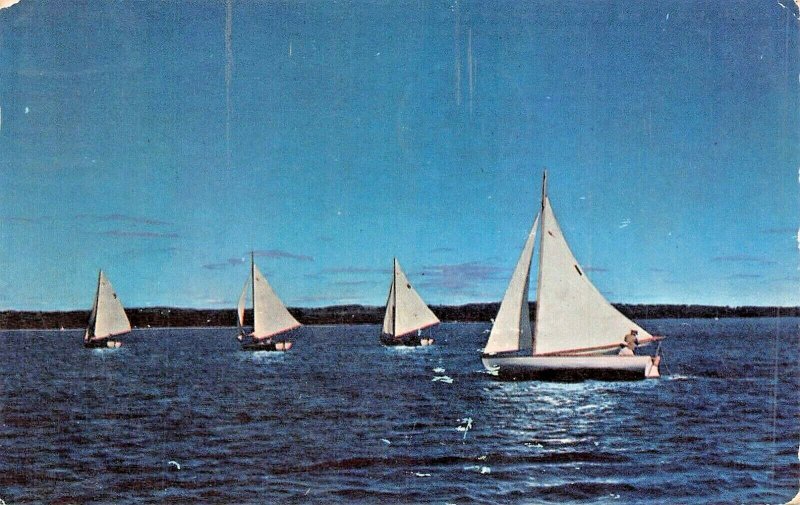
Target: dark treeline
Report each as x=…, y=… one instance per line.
x=162, y=317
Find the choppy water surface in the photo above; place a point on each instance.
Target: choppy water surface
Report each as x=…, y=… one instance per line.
x=340, y=419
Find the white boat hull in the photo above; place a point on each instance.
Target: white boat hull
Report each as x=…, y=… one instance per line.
x=572, y=368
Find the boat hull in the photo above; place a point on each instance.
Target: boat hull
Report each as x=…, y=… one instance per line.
x=572, y=368
x=102, y=344
x=267, y=346
x=407, y=340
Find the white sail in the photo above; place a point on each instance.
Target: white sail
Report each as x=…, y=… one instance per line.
x=108, y=315
x=388, y=316
x=410, y=311
x=511, y=330
x=93, y=316
x=269, y=314
x=242, y=303
x=571, y=313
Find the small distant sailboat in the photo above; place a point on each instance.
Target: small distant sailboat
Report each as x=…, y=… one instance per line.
x=108, y=318
x=578, y=334
x=270, y=317
x=406, y=314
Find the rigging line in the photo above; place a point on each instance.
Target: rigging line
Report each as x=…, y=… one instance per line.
x=660, y=351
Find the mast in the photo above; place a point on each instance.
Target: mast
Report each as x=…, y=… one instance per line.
x=539, y=272
x=544, y=186
x=394, y=301
x=253, y=286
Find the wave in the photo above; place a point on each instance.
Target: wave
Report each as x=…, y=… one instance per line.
x=357, y=463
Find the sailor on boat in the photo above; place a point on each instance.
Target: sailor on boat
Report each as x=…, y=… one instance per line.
x=631, y=342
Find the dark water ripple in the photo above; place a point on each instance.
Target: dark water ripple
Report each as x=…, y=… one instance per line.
x=341, y=419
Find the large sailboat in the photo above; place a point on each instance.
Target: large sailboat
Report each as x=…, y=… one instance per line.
x=577, y=334
x=108, y=318
x=406, y=314
x=270, y=317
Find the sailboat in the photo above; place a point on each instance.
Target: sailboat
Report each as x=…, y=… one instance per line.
x=108, y=318
x=577, y=334
x=270, y=317
x=406, y=314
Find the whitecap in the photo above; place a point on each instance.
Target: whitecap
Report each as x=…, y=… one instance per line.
x=263, y=356
x=555, y=402
x=566, y=440
x=478, y=468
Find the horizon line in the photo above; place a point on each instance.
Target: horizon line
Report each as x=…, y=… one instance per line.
x=233, y=308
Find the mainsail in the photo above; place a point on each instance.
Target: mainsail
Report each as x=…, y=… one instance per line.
x=270, y=316
x=405, y=309
x=571, y=314
x=108, y=317
x=511, y=330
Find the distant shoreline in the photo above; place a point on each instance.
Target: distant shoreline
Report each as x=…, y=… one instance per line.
x=170, y=317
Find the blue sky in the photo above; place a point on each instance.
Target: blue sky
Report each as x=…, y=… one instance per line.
x=352, y=132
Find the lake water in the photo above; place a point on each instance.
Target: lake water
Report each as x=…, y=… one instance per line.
x=341, y=419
